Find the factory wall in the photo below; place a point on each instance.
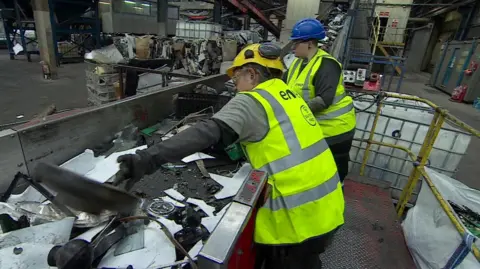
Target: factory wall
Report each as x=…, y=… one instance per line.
x=446, y=26
x=394, y=20
x=117, y=18
x=137, y=17
x=297, y=10
x=141, y=24
x=418, y=48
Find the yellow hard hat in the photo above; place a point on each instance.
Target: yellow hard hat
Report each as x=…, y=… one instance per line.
x=265, y=54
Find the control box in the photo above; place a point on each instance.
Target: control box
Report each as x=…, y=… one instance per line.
x=349, y=76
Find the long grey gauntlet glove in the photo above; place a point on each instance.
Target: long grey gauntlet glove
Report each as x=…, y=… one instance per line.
x=132, y=169
x=196, y=138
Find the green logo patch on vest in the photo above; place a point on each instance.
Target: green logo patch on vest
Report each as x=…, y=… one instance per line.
x=308, y=115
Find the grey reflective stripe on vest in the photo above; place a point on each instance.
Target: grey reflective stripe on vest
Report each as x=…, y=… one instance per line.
x=284, y=122
x=297, y=154
x=295, y=200
x=305, y=88
x=338, y=98
x=336, y=113
x=295, y=159
x=293, y=69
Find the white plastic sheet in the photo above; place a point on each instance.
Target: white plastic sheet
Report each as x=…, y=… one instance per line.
x=196, y=156
x=231, y=186
x=203, y=206
x=106, y=55
x=430, y=235
x=33, y=244
x=33, y=256
x=57, y=232
x=174, y=194
x=108, y=167
x=211, y=222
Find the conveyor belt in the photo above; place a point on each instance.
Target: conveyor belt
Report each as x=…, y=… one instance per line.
x=188, y=181
x=371, y=237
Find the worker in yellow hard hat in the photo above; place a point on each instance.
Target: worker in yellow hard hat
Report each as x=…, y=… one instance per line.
x=280, y=136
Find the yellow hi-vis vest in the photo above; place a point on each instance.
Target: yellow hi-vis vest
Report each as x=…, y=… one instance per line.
x=339, y=117
x=306, y=198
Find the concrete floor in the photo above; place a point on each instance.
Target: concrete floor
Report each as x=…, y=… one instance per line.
x=469, y=167
x=24, y=92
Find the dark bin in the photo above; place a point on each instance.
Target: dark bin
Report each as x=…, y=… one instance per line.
x=188, y=103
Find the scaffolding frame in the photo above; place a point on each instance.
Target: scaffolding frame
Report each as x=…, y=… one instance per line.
x=377, y=46
x=15, y=25
x=80, y=26
x=77, y=30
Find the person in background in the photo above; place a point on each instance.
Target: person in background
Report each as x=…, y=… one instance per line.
x=318, y=78
x=304, y=205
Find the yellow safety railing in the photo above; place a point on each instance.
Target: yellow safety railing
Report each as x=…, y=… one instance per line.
x=419, y=161
x=375, y=32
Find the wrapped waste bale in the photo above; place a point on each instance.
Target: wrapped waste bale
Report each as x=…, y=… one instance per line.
x=229, y=49
x=142, y=45
x=224, y=66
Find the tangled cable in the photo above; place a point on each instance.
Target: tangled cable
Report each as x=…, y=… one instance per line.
x=376, y=99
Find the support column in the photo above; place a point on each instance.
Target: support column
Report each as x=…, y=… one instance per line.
x=246, y=22
x=217, y=12
x=265, y=30
x=43, y=28
x=162, y=17
x=297, y=10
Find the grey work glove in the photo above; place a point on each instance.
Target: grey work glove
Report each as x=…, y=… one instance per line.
x=132, y=169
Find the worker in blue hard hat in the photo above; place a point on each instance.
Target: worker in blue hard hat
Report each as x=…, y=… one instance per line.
x=318, y=78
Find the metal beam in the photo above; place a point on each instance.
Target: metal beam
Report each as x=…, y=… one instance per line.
x=419, y=19
x=248, y=8
x=441, y=10
x=238, y=5
x=260, y=18
x=468, y=21
x=413, y=5
x=217, y=12
x=268, y=6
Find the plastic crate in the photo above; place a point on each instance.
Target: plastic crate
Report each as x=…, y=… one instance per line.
x=101, y=80
x=97, y=68
x=102, y=91
x=98, y=98
x=188, y=103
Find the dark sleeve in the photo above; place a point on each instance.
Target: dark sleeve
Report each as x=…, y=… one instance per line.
x=285, y=76
x=325, y=82
x=194, y=139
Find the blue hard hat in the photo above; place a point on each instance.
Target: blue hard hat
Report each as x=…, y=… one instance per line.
x=308, y=29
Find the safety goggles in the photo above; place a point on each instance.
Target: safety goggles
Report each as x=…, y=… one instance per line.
x=269, y=51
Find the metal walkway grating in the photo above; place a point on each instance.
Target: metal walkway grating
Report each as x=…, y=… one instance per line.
x=371, y=236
